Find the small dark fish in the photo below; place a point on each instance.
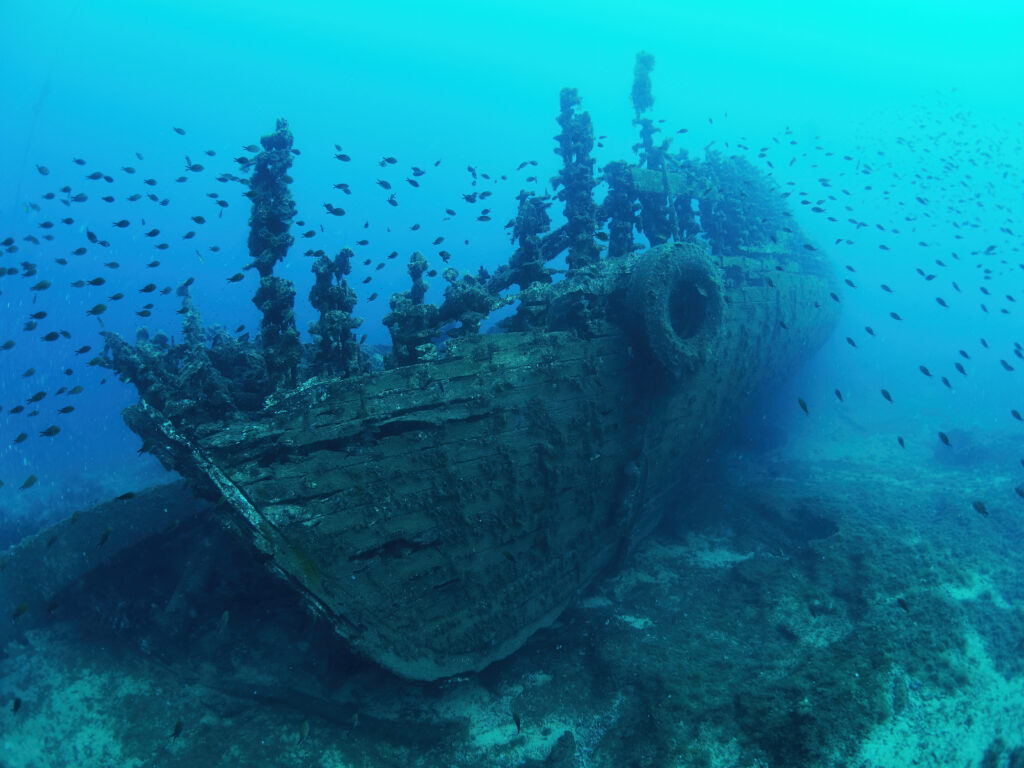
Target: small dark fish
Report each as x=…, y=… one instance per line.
x=923, y=369
x=899, y=439
x=371, y=297
x=50, y=431
x=148, y=288
x=29, y=482
x=803, y=405
x=941, y=302
x=198, y=219
x=236, y=277
x=944, y=438
x=902, y=604
x=104, y=538
x=51, y=336
x=1016, y=414
x=886, y=395
x=21, y=438
x=122, y=223
x=178, y=728
x=66, y=409
x=16, y=704
x=96, y=311
x=851, y=342
x=980, y=508
x=125, y=496
x=839, y=395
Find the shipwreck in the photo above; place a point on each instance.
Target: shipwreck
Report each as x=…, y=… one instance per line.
x=439, y=508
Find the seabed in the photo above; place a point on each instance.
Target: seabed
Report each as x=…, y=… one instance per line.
x=849, y=610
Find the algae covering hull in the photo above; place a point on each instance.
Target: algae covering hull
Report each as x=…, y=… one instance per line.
x=438, y=514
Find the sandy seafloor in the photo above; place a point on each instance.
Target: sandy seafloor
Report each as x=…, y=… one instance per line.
x=847, y=610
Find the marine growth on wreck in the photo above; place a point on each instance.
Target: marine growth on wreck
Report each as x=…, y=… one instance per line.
x=721, y=203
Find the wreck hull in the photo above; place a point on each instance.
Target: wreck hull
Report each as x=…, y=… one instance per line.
x=438, y=514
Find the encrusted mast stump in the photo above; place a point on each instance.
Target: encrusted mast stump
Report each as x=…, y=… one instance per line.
x=576, y=179
x=412, y=323
x=336, y=350
x=273, y=209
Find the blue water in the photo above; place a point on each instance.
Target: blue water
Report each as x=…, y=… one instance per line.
x=923, y=98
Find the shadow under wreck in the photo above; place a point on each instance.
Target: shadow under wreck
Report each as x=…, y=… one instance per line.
x=439, y=511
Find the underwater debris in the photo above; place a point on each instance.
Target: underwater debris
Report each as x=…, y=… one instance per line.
x=550, y=441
